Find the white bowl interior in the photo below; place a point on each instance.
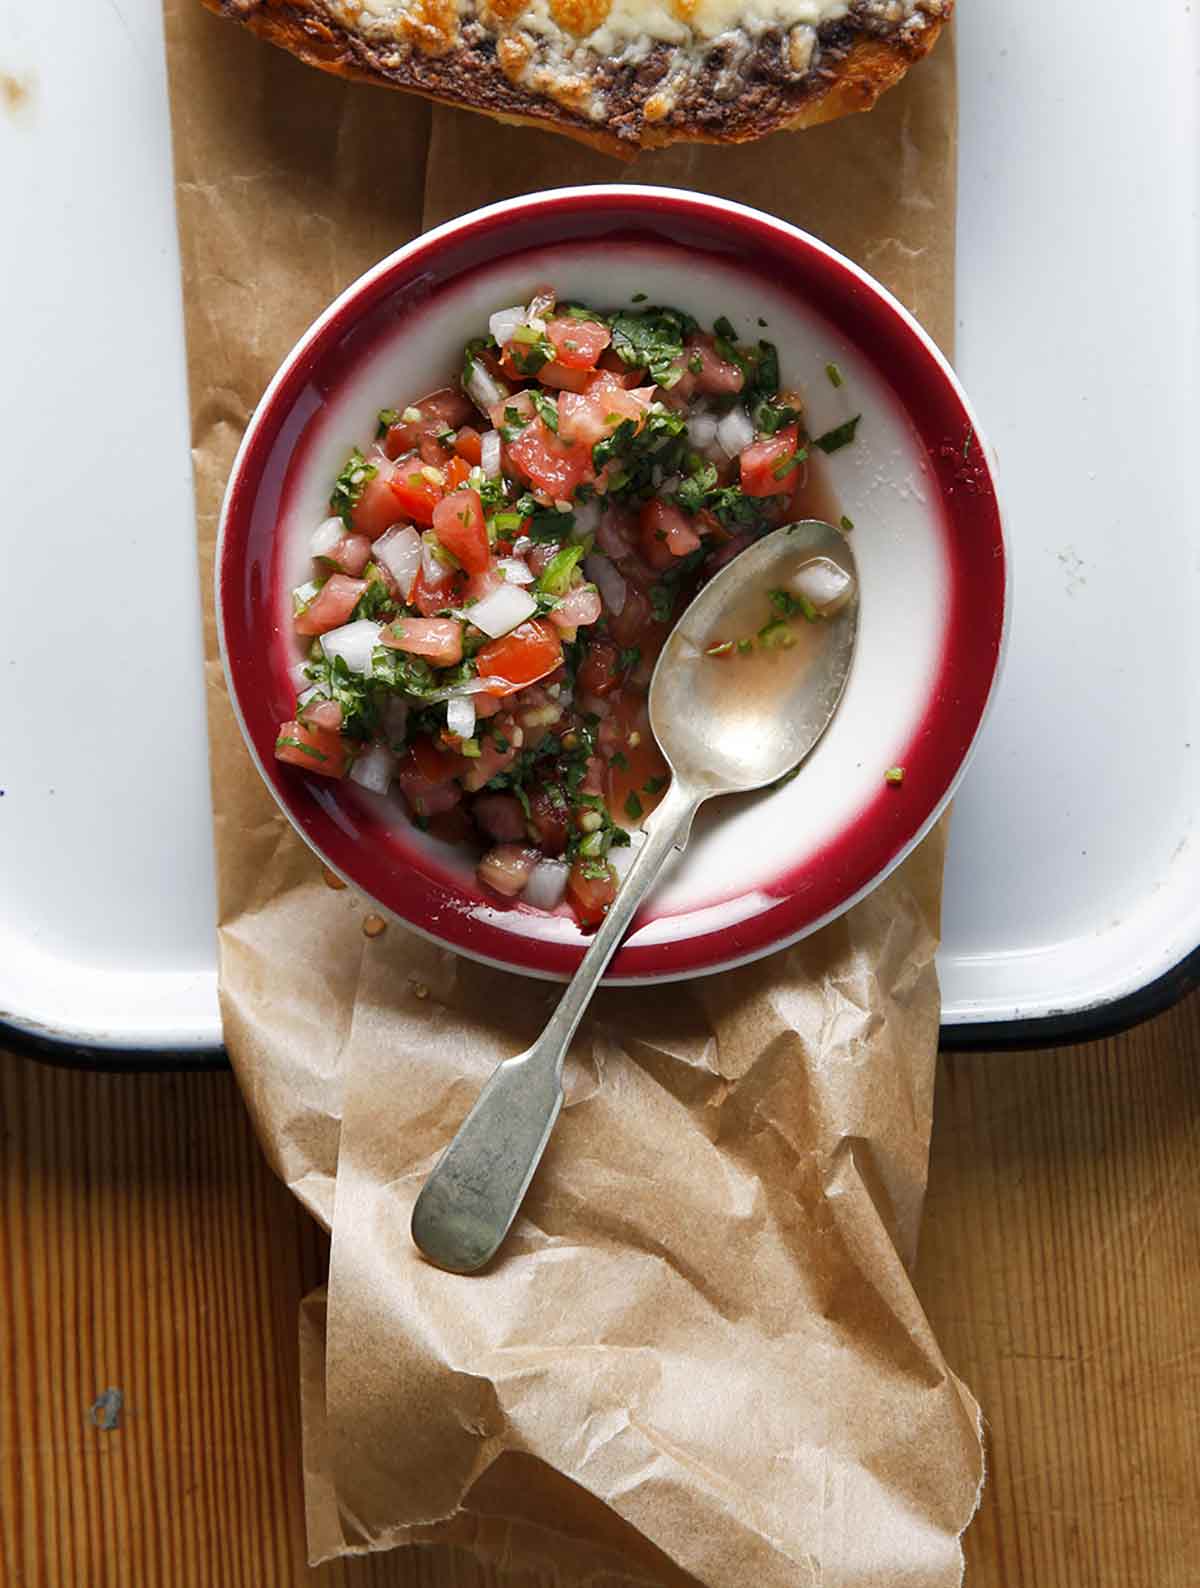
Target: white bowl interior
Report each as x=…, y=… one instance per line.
x=881, y=482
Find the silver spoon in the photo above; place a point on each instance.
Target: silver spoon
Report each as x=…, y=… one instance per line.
x=726, y=725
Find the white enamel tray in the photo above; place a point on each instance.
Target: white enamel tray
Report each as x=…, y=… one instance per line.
x=1073, y=893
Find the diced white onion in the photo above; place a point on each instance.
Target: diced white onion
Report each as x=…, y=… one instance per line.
x=483, y=388
x=473, y=686
x=305, y=594
x=824, y=583
x=433, y=571
x=374, y=768
x=460, y=716
x=608, y=581
x=354, y=643
x=502, y=610
x=394, y=717
x=702, y=431
x=305, y=695
x=504, y=322
x=514, y=570
x=547, y=886
x=587, y=518
x=326, y=536
x=489, y=453
x=399, y=550
x=735, y=432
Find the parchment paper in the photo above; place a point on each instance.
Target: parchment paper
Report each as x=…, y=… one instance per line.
x=700, y=1358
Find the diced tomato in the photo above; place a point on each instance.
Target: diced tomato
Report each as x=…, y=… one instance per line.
x=599, y=672
x=561, y=378
x=500, y=816
x=578, y=609
x=666, y=532
x=590, y=895
x=332, y=605
x=415, y=494
x=319, y=713
x=442, y=410
x=521, y=404
x=634, y=621
x=507, y=868
x=532, y=650
x=315, y=749
x=377, y=508
x=458, y=524
x=453, y=826
x=351, y=554
x=434, y=590
x=715, y=377
x=548, y=813
x=761, y=459
x=595, y=413
x=438, y=639
x=468, y=445
x=425, y=776
x=434, y=764
x=578, y=343
x=497, y=752
x=549, y=464
x=580, y=419
x=457, y=473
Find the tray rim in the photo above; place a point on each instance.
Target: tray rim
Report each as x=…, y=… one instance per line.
x=1109, y=1018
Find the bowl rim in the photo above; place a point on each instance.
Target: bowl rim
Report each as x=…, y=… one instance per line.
x=664, y=960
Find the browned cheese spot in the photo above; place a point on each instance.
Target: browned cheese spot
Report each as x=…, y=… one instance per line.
x=579, y=16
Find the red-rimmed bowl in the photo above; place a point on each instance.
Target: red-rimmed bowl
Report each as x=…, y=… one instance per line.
x=917, y=485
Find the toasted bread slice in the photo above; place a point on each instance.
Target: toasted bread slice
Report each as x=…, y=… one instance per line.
x=620, y=75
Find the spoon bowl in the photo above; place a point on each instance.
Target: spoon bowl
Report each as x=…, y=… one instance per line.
x=738, y=720
x=746, y=684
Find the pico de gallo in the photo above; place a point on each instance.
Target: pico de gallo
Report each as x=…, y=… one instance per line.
x=503, y=562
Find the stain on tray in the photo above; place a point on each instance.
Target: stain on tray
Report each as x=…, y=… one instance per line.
x=16, y=93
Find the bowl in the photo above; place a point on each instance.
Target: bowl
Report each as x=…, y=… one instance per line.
x=917, y=486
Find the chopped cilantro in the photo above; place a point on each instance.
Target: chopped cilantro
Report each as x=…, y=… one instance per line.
x=350, y=484
x=836, y=378
x=784, y=465
x=654, y=785
x=638, y=297
x=652, y=339
x=662, y=602
x=628, y=657
x=387, y=418
x=376, y=600
x=620, y=760
x=723, y=328
x=633, y=807
x=514, y=422
x=299, y=744
x=894, y=775
x=546, y=407
x=847, y=524
x=840, y=436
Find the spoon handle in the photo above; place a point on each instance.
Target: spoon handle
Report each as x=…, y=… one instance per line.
x=471, y=1198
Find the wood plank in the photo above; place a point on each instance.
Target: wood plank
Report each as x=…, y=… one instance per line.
x=145, y=1246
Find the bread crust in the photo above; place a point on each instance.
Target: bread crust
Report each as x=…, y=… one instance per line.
x=856, y=67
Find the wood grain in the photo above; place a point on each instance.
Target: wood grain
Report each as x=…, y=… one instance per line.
x=145, y=1247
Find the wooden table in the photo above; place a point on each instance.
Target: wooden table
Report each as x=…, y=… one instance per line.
x=145, y=1247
